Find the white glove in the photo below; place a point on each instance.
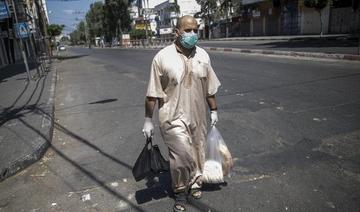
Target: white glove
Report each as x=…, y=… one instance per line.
x=148, y=128
x=213, y=117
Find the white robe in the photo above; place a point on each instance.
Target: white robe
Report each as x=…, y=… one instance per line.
x=183, y=84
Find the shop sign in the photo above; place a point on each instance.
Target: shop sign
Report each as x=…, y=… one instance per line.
x=22, y=30
x=4, y=10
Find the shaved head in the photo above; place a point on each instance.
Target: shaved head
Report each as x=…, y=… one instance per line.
x=186, y=24
x=184, y=21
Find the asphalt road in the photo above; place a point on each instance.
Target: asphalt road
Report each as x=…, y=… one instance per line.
x=292, y=126
x=326, y=45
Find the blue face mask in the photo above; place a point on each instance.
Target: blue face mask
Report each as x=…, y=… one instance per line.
x=188, y=39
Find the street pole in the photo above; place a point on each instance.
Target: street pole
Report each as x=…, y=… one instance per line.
x=227, y=17
x=358, y=11
x=45, y=29
x=11, y=58
x=21, y=45
x=86, y=37
x=146, y=27
x=209, y=22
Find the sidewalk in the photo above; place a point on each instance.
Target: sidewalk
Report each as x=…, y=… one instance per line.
x=20, y=101
x=333, y=47
x=343, y=47
x=283, y=37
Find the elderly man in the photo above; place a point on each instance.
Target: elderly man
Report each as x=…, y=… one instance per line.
x=183, y=81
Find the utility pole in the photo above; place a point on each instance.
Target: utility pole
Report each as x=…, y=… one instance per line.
x=22, y=45
x=85, y=28
x=227, y=19
x=45, y=29
x=209, y=22
x=146, y=28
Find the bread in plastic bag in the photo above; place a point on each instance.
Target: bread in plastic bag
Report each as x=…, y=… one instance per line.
x=227, y=161
x=213, y=172
x=218, y=158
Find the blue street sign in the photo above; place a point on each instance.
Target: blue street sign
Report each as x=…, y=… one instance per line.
x=22, y=30
x=4, y=11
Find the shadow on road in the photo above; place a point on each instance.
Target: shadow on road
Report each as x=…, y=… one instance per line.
x=68, y=57
x=103, y=101
x=155, y=189
x=15, y=69
x=311, y=43
x=10, y=112
x=90, y=103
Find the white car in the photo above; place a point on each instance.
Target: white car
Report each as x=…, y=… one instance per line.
x=62, y=48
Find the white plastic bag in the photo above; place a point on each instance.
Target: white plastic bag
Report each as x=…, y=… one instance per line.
x=218, y=158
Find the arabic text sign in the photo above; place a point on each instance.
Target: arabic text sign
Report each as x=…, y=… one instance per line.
x=22, y=30
x=4, y=11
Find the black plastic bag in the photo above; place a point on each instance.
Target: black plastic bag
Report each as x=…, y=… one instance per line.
x=150, y=162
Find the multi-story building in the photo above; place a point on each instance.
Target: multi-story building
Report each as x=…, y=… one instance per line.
x=292, y=17
x=168, y=13
x=31, y=12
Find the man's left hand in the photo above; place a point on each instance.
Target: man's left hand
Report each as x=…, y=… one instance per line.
x=213, y=117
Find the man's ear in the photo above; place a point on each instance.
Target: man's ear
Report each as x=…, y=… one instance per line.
x=177, y=32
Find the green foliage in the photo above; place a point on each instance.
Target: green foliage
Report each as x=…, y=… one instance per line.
x=55, y=29
x=214, y=9
x=64, y=39
x=116, y=17
x=207, y=8
x=78, y=36
x=316, y=4
x=174, y=7
x=238, y=7
x=109, y=19
x=137, y=34
x=95, y=19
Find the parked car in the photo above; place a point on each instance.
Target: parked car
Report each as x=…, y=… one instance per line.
x=62, y=48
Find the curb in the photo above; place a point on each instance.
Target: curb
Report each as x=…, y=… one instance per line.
x=318, y=55
x=47, y=126
x=349, y=57
x=269, y=38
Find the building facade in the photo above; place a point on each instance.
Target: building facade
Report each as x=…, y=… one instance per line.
x=33, y=15
x=168, y=13
x=291, y=17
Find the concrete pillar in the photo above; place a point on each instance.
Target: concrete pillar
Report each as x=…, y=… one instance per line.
x=264, y=25
x=3, y=55
x=302, y=22
x=251, y=27
x=279, y=24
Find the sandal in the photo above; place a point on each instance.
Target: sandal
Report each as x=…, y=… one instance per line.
x=196, y=193
x=180, y=201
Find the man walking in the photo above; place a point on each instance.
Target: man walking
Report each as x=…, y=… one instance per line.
x=182, y=81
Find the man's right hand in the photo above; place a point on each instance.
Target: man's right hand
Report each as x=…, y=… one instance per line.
x=148, y=128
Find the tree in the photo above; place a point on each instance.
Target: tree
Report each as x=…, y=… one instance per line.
x=225, y=8
x=95, y=20
x=137, y=34
x=318, y=5
x=55, y=29
x=174, y=7
x=78, y=36
x=212, y=10
x=208, y=8
x=116, y=17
